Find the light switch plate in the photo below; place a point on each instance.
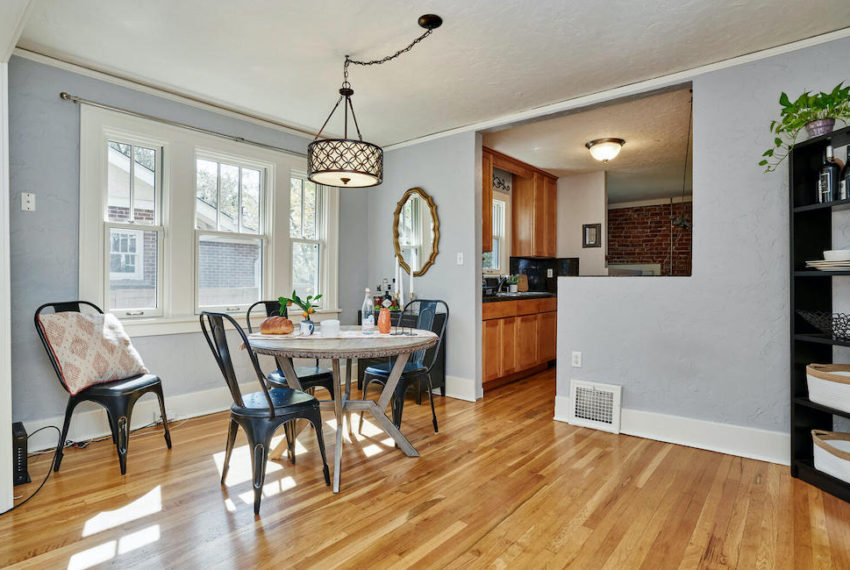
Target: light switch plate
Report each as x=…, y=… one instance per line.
x=27, y=202
x=460, y=258
x=549, y=272
x=576, y=359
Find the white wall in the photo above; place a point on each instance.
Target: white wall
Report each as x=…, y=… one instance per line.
x=583, y=199
x=5, y=310
x=445, y=169
x=713, y=346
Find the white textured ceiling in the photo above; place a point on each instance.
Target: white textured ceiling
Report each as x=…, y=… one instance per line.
x=283, y=59
x=650, y=164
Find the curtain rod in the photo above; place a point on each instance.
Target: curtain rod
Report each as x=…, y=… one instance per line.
x=65, y=96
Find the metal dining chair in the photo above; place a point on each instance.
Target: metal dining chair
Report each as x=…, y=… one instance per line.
x=311, y=377
x=420, y=364
x=118, y=396
x=259, y=414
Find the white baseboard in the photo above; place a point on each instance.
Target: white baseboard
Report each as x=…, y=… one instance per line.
x=460, y=388
x=89, y=420
x=753, y=443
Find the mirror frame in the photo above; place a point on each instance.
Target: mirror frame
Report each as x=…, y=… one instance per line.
x=435, y=241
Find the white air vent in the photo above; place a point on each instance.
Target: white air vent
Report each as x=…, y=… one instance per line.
x=595, y=405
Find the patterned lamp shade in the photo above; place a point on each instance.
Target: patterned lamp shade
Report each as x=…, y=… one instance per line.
x=345, y=163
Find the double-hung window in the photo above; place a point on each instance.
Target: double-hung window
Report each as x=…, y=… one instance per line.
x=307, y=225
x=174, y=222
x=410, y=232
x=132, y=227
x=229, y=234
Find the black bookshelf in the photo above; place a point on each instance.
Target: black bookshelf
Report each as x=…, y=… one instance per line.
x=811, y=235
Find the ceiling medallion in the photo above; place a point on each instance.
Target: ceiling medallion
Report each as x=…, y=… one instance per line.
x=604, y=150
x=354, y=163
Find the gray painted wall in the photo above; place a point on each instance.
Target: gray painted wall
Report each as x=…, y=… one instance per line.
x=44, y=158
x=713, y=346
x=445, y=169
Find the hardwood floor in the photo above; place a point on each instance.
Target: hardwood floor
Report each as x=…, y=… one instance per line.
x=501, y=485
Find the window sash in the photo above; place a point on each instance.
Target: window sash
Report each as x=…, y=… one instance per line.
x=320, y=217
x=133, y=312
x=263, y=280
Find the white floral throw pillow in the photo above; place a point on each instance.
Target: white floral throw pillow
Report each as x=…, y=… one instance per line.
x=90, y=348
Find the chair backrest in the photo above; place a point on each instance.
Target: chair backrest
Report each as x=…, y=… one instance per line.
x=271, y=308
x=59, y=307
x=426, y=311
x=212, y=324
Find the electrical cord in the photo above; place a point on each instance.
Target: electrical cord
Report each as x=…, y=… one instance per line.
x=69, y=443
x=49, y=470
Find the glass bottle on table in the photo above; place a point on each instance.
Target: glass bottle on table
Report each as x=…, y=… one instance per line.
x=367, y=314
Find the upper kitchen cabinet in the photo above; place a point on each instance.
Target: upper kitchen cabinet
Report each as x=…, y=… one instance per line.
x=534, y=198
x=486, y=200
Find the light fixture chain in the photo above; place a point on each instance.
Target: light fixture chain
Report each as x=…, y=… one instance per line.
x=349, y=61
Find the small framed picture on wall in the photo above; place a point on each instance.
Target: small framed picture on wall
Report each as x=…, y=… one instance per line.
x=591, y=235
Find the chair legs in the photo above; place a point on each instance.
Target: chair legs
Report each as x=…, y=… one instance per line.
x=289, y=434
x=69, y=410
x=166, y=434
x=259, y=432
x=315, y=418
x=431, y=397
x=231, y=438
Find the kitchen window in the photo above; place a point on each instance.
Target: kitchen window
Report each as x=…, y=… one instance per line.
x=492, y=261
x=173, y=222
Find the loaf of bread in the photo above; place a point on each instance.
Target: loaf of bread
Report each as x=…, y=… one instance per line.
x=276, y=325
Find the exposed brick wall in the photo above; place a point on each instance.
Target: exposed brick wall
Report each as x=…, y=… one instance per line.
x=642, y=235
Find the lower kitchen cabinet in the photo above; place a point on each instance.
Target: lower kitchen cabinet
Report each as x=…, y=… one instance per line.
x=517, y=336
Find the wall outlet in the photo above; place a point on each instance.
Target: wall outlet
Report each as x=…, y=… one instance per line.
x=157, y=417
x=576, y=362
x=27, y=202
x=460, y=258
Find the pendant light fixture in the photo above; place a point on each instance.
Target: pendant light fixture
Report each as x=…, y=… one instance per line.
x=350, y=162
x=604, y=150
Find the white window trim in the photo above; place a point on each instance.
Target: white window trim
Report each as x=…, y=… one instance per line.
x=505, y=258
x=177, y=244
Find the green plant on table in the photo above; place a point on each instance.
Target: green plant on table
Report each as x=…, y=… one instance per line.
x=795, y=115
x=308, y=306
x=513, y=280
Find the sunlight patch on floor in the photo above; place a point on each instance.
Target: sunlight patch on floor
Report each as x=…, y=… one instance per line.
x=108, y=550
x=240, y=465
x=269, y=489
x=145, y=505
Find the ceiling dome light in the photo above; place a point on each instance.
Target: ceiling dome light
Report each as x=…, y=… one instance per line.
x=350, y=162
x=604, y=150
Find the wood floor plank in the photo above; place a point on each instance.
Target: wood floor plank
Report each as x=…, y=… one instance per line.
x=501, y=486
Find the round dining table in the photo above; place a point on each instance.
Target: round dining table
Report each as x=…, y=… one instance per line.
x=350, y=345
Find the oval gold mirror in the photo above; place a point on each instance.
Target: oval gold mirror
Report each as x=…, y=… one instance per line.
x=416, y=231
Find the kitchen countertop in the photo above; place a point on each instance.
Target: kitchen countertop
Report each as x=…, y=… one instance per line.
x=517, y=296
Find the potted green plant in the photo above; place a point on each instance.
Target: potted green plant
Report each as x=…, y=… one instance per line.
x=307, y=306
x=816, y=112
x=513, y=282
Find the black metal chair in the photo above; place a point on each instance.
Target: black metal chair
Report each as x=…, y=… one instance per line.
x=258, y=413
x=118, y=396
x=311, y=377
x=419, y=366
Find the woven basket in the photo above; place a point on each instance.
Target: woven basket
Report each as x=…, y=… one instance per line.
x=829, y=385
x=832, y=453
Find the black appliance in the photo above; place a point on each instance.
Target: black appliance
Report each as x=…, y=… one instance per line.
x=543, y=274
x=19, y=454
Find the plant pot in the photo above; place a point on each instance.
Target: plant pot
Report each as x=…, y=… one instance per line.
x=820, y=127
x=513, y=288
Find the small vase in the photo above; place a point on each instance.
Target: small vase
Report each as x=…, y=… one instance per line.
x=513, y=288
x=820, y=127
x=307, y=327
x=384, y=323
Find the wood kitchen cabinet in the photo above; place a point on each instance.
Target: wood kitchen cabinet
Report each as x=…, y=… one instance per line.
x=534, y=198
x=486, y=200
x=518, y=338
